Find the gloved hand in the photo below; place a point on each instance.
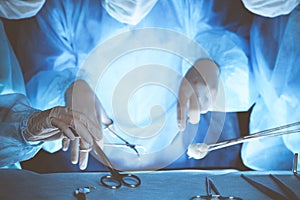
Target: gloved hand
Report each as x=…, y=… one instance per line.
x=59, y=122
x=197, y=92
x=81, y=98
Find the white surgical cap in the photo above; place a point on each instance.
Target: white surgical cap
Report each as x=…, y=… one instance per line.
x=128, y=11
x=16, y=9
x=271, y=8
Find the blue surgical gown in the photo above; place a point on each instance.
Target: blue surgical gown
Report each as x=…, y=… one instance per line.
x=275, y=58
x=54, y=46
x=14, y=109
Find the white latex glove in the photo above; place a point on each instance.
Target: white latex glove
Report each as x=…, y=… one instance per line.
x=81, y=98
x=271, y=8
x=197, y=92
x=59, y=122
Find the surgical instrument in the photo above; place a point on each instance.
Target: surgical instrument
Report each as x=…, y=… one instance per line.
x=115, y=180
x=295, y=165
x=270, y=192
x=125, y=146
x=80, y=193
x=134, y=147
x=200, y=150
x=210, y=186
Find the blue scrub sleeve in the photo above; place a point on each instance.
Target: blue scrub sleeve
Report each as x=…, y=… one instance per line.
x=45, y=49
x=14, y=109
x=14, y=114
x=275, y=58
x=49, y=63
x=11, y=78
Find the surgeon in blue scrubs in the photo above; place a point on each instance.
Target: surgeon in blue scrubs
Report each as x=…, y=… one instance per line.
x=275, y=59
x=154, y=68
x=24, y=130
x=14, y=105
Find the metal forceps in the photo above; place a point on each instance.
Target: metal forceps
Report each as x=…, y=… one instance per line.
x=210, y=186
x=116, y=180
x=126, y=143
x=281, y=130
x=289, y=194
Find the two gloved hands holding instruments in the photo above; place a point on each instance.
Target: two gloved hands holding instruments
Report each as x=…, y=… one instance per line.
x=79, y=122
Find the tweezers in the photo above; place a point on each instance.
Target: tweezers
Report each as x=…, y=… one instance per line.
x=277, y=131
x=272, y=193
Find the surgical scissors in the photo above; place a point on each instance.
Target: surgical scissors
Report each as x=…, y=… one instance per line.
x=116, y=180
x=200, y=150
x=209, y=195
x=126, y=143
x=270, y=192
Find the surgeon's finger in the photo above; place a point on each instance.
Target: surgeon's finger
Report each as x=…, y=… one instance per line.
x=82, y=131
x=81, y=123
x=68, y=117
x=94, y=129
x=85, y=149
x=53, y=135
x=194, y=109
x=72, y=120
x=74, y=150
x=181, y=110
x=63, y=126
x=84, y=157
x=205, y=104
x=65, y=143
x=204, y=98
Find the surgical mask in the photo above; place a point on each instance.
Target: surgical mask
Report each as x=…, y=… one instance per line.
x=128, y=11
x=271, y=8
x=16, y=9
